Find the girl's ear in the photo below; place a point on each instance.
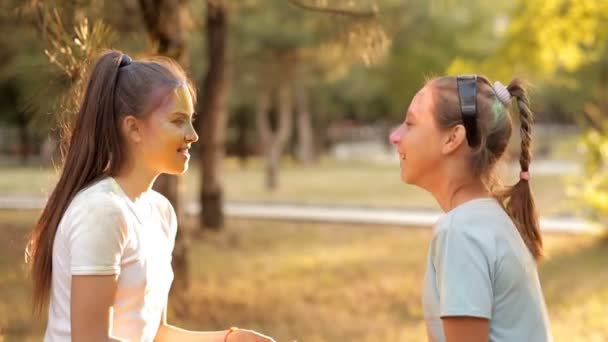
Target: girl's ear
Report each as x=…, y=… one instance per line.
x=453, y=139
x=131, y=128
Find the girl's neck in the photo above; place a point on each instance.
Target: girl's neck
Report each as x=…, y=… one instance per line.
x=135, y=181
x=453, y=193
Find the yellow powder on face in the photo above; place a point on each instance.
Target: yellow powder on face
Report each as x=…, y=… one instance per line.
x=183, y=100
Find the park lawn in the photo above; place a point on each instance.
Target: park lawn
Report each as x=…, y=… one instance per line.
x=323, y=282
x=329, y=182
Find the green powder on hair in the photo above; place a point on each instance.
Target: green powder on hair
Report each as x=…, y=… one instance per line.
x=499, y=110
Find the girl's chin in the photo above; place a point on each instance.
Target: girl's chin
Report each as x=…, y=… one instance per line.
x=406, y=178
x=177, y=169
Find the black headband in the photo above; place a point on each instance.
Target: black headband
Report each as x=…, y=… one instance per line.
x=467, y=95
x=125, y=60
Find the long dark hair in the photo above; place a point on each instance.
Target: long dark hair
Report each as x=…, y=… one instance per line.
x=117, y=86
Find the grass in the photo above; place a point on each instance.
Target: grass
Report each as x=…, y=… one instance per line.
x=324, y=282
x=329, y=182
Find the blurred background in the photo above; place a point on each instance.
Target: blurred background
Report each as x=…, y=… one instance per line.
x=293, y=218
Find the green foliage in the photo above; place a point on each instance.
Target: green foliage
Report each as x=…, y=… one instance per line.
x=47, y=56
x=424, y=40
x=71, y=53
x=541, y=37
x=592, y=187
x=274, y=38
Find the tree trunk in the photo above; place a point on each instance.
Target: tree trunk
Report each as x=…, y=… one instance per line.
x=305, y=149
x=213, y=113
x=273, y=159
x=274, y=142
x=165, y=22
x=242, y=128
x=262, y=117
x=25, y=145
x=603, y=85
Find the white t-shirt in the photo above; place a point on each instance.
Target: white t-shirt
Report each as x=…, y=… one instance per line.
x=479, y=266
x=103, y=232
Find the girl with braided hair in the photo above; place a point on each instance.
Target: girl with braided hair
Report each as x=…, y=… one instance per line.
x=481, y=282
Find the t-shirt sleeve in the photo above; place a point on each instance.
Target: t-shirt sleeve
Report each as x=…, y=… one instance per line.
x=463, y=273
x=97, y=236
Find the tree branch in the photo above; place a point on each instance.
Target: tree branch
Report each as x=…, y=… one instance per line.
x=339, y=11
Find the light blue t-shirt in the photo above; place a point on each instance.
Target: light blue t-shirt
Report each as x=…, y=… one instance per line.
x=479, y=266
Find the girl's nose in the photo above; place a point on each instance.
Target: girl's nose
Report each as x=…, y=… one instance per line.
x=192, y=137
x=395, y=137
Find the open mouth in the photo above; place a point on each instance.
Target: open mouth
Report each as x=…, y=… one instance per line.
x=184, y=151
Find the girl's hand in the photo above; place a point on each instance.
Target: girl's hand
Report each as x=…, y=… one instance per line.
x=243, y=335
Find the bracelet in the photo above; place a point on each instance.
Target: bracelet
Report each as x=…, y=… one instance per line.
x=230, y=331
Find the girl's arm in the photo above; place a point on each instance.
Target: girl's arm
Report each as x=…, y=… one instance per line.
x=466, y=329
x=91, y=308
x=170, y=333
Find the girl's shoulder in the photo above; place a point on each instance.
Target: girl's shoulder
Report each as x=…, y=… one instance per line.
x=96, y=206
x=102, y=191
x=99, y=198
x=483, y=219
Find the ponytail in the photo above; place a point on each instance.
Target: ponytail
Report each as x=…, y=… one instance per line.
x=93, y=144
x=518, y=199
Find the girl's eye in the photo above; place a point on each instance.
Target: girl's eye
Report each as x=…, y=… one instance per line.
x=178, y=121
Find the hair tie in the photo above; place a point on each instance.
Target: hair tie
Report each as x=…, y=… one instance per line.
x=125, y=60
x=524, y=175
x=502, y=93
